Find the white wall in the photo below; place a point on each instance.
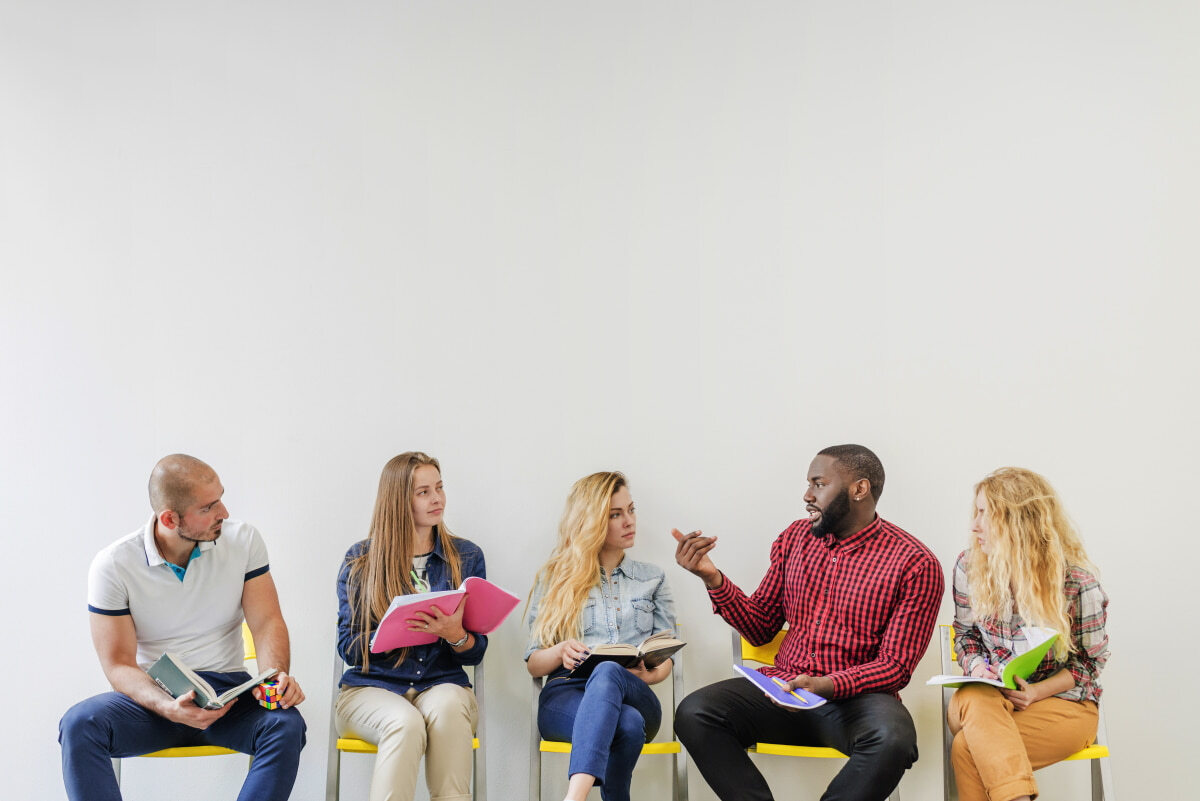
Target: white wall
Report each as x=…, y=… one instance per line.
x=695, y=241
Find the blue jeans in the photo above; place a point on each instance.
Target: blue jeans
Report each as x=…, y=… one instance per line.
x=112, y=725
x=606, y=718
x=718, y=722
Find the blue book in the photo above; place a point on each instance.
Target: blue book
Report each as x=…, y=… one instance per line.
x=776, y=690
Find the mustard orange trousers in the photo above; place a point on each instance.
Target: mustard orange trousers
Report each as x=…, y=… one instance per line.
x=997, y=747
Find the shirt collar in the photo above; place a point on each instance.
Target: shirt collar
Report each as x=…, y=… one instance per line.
x=856, y=539
x=437, y=546
x=153, y=557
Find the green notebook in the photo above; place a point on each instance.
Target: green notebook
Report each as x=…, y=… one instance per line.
x=1041, y=641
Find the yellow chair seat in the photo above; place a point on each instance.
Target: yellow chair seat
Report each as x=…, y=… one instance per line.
x=192, y=751
x=811, y=751
x=1091, y=752
x=552, y=747
x=353, y=746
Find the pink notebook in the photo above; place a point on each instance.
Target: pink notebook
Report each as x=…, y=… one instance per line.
x=487, y=607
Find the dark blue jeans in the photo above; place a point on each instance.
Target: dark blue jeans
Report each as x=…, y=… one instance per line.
x=111, y=725
x=717, y=723
x=606, y=718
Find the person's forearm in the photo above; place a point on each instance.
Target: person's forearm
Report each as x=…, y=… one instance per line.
x=272, y=647
x=661, y=672
x=1060, y=682
x=134, y=682
x=545, y=661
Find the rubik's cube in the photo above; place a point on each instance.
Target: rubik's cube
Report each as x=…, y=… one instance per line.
x=271, y=695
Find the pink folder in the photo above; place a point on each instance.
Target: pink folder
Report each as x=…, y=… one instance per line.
x=487, y=607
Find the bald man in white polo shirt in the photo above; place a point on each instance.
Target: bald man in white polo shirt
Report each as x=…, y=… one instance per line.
x=183, y=583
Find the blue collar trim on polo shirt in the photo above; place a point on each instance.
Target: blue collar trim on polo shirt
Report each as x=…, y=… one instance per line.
x=180, y=572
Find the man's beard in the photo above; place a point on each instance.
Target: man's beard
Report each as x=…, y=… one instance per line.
x=833, y=516
x=190, y=536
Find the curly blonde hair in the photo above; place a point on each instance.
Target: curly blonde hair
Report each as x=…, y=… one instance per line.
x=1032, y=544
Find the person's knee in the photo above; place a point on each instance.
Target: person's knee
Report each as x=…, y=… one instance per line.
x=452, y=706
x=960, y=754
x=606, y=672
x=80, y=721
x=891, y=734
x=688, y=714
x=285, y=727
x=631, y=726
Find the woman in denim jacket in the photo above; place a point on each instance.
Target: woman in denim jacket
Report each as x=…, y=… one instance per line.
x=411, y=702
x=587, y=594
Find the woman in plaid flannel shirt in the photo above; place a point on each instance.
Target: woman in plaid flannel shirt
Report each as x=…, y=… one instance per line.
x=1025, y=566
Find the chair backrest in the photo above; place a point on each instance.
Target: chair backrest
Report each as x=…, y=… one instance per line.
x=946, y=644
x=247, y=644
x=763, y=654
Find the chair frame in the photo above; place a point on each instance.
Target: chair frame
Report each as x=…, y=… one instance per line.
x=672, y=748
x=1097, y=753
x=248, y=653
x=350, y=745
x=764, y=654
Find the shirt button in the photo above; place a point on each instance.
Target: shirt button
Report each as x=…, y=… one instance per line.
x=813, y=655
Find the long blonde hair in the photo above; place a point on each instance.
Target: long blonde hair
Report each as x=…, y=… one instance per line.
x=1031, y=545
x=573, y=567
x=384, y=569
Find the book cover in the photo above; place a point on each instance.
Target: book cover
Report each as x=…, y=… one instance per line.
x=487, y=607
x=176, y=678
x=653, y=651
x=1022, y=665
x=796, y=699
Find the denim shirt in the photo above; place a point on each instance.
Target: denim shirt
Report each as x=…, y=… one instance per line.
x=627, y=606
x=425, y=665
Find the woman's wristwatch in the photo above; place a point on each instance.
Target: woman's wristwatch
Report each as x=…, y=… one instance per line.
x=466, y=636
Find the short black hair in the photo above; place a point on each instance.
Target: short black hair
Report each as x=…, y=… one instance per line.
x=859, y=462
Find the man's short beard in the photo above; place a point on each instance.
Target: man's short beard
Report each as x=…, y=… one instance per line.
x=186, y=538
x=833, y=516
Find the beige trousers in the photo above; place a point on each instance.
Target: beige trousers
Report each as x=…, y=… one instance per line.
x=438, y=723
x=997, y=748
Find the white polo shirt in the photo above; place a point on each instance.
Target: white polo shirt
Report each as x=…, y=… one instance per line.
x=200, y=618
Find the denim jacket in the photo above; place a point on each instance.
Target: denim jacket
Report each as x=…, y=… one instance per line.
x=425, y=665
x=627, y=606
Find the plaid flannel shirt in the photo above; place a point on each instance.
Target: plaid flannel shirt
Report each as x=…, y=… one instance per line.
x=1000, y=641
x=859, y=610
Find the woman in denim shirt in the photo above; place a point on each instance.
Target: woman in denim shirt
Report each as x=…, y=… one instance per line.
x=587, y=594
x=417, y=701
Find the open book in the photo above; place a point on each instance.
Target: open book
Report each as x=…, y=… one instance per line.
x=653, y=651
x=777, y=691
x=178, y=679
x=1040, y=642
x=487, y=606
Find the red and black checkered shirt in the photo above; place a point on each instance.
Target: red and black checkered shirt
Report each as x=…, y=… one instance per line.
x=859, y=610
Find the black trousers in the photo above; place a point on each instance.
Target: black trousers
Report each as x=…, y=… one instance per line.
x=718, y=722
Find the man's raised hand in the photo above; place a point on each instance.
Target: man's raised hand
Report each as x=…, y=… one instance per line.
x=691, y=553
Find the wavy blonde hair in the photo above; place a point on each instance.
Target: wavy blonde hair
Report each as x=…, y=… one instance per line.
x=384, y=569
x=1032, y=545
x=573, y=568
